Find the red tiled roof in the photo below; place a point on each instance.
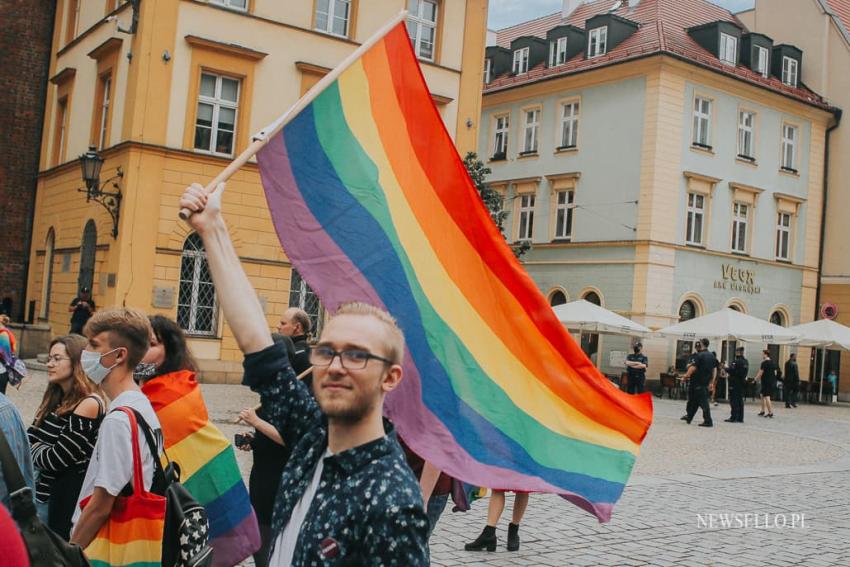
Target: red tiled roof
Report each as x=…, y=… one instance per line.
x=663, y=29
x=842, y=10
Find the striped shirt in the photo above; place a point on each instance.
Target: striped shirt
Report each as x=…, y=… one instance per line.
x=60, y=443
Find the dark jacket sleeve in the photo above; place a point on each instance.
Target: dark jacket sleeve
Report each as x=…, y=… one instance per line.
x=286, y=402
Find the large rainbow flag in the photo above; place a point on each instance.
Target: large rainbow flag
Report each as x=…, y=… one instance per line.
x=371, y=202
x=208, y=467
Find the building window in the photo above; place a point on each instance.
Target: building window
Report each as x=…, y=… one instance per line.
x=333, y=16
x=303, y=297
x=241, y=5
x=59, y=130
x=526, y=216
x=532, y=125
x=597, y=43
x=746, y=120
x=789, y=71
x=215, y=123
x=488, y=69
x=783, y=236
x=789, y=147
x=500, y=145
x=696, y=219
x=422, y=27
x=564, y=215
x=558, y=297
x=196, y=303
x=684, y=349
x=740, y=219
x=88, y=257
x=520, y=61
x=728, y=49
x=762, y=60
x=558, y=52
x=73, y=21
x=702, y=122
x=569, y=125
x=103, y=126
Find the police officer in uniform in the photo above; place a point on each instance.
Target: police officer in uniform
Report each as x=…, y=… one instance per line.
x=737, y=383
x=701, y=371
x=636, y=365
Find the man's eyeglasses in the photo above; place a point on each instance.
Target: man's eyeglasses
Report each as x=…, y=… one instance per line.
x=351, y=359
x=56, y=359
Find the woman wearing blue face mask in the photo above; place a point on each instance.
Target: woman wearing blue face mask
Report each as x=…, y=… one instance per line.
x=64, y=432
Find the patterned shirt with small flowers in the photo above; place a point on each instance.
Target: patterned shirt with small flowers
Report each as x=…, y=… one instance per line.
x=368, y=507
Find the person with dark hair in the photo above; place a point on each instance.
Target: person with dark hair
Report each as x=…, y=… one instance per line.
x=64, y=432
x=767, y=375
x=209, y=469
x=636, y=365
x=737, y=383
x=82, y=307
x=792, y=381
x=701, y=370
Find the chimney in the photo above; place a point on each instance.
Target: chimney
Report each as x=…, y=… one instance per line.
x=570, y=7
x=633, y=4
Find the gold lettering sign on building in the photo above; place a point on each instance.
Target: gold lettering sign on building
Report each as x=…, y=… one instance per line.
x=737, y=279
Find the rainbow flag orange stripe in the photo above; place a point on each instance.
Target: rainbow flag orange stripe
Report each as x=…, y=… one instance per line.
x=371, y=202
x=208, y=466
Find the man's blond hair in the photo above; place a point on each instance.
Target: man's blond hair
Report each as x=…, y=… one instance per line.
x=128, y=328
x=395, y=338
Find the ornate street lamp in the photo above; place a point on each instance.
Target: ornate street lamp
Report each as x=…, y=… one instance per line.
x=90, y=164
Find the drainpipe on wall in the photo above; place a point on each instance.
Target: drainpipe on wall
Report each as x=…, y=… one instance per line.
x=837, y=114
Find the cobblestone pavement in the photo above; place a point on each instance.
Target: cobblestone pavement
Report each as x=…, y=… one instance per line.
x=793, y=468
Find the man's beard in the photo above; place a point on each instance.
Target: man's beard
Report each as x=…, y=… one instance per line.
x=355, y=410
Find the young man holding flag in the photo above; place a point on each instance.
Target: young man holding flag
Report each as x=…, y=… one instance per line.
x=346, y=494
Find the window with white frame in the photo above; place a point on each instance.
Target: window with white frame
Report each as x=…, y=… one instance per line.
x=215, y=122
x=520, y=65
x=531, y=127
x=789, y=71
x=526, y=216
x=422, y=27
x=569, y=124
x=783, y=236
x=235, y=4
x=728, y=49
x=500, y=140
x=746, y=122
x=558, y=52
x=597, y=42
x=488, y=69
x=196, y=302
x=333, y=16
x=695, y=219
x=762, y=60
x=789, y=147
x=740, y=220
x=106, y=86
x=564, y=214
x=702, y=122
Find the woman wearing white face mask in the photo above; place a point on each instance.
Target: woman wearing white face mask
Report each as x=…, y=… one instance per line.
x=64, y=432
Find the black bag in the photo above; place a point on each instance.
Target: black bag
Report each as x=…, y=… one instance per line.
x=45, y=547
x=185, y=540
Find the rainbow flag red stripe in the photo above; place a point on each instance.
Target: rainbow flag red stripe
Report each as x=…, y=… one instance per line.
x=208, y=466
x=371, y=202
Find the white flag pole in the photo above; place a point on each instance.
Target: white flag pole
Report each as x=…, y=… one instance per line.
x=262, y=137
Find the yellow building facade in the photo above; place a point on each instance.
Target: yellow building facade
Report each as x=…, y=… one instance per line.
x=168, y=92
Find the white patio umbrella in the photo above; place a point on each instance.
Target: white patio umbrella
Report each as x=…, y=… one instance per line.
x=587, y=317
x=825, y=335
x=728, y=325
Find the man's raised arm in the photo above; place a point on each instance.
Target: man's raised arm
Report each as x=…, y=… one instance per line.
x=237, y=297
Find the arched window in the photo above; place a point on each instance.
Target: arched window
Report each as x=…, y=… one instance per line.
x=684, y=349
x=87, y=257
x=735, y=307
x=590, y=341
x=687, y=311
x=47, y=274
x=196, y=304
x=557, y=298
x=593, y=297
x=777, y=318
x=301, y=296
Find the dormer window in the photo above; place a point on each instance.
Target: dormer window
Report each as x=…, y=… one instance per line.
x=597, y=42
x=762, y=61
x=558, y=52
x=521, y=61
x=488, y=69
x=789, y=71
x=728, y=49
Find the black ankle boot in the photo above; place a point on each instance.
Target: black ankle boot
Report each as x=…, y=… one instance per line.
x=513, y=537
x=487, y=540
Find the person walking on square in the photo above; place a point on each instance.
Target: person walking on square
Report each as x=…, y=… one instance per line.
x=636, y=365
x=792, y=381
x=82, y=307
x=487, y=538
x=64, y=432
x=737, y=383
x=767, y=375
x=700, y=374
x=8, y=349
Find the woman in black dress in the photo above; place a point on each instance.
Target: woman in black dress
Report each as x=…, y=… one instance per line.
x=767, y=374
x=64, y=432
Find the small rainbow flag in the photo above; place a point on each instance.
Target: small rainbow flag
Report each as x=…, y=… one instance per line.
x=208, y=467
x=371, y=202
